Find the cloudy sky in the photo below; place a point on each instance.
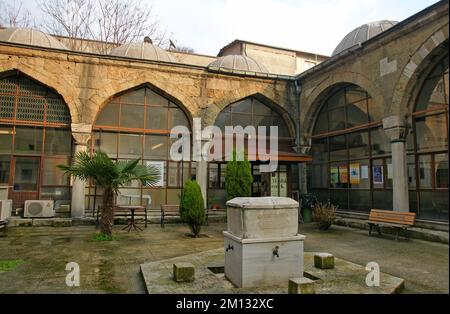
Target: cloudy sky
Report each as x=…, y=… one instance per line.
x=307, y=25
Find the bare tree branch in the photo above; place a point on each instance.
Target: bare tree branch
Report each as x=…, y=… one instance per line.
x=12, y=14
x=69, y=18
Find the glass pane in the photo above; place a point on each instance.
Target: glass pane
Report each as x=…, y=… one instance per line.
x=431, y=132
x=133, y=97
x=283, y=130
x=413, y=201
x=132, y=116
x=6, y=106
x=355, y=94
x=223, y=169
x=60, y=196
x=161, y=166
x=28, y=140
x=58, y=142
x=155, y=197
x=321, y=123
x=26, y=174
x=337, y=119
x=389, y=172
x=338, y=148
x=441, y=170
x=260, y=108
x=339, y=176
x=241, y=120
x=5, y=163
x=357, y=114
x=109, y=115
x=155, y=99
x=360, y=201
x=52, y=175
x=378, y=173
x=425, y=172
x=337, y=100
x=411, y=165
x=319, y=176
x=6, y=135
x=339, y=198
x=217, y=197
x=106, y=142
x=223, y=120
x=174, y=174
x=156, y=118
x=434, y=205
x=130, y=146
x=382, y=199
x=186, y=173
x=358, y=144
x=129, y=197
x=359, y=174
x=319, y=150
x=174, y=196
x=178, y=117
x=30, y=109
x=262, y=121
x=155, y=147
x=381, y=144
x=214, y=175
x=242, y=106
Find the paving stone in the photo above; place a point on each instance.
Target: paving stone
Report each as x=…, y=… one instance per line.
x=324, y=260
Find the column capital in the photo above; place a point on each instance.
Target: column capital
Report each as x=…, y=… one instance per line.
x=81, y=133
x=396, y=128
x=305, y=149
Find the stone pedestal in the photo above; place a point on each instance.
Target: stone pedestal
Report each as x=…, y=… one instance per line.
x=324, y=261
x=301, y=286
x=262, y=244
x=183, y=272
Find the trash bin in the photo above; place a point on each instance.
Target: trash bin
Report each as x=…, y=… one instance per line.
x=307, y=214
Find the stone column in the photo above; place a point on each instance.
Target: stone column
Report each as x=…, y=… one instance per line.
x=396, y=128
x=81, y=134
x=202, y=178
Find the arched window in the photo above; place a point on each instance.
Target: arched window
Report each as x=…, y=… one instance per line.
x=35, y=136
x=428, y=147
x=253, y=112
x=137, y=124
x=351, y=153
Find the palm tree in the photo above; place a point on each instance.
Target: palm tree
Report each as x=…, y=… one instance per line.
x=110, y=177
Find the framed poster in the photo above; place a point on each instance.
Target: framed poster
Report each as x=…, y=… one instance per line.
x=343, y=174
x=377, y=172
x=355, y=177
x=160, y=166
x=334, y=175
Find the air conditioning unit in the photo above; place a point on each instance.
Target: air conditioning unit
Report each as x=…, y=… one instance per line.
x=5, y=209
x=39, y=209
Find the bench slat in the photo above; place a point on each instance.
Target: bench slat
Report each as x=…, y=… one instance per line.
x=392, y=217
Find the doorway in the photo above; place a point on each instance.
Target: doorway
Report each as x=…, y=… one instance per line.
x=26, y=177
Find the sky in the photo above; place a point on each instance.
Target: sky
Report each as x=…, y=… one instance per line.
x=315, y=26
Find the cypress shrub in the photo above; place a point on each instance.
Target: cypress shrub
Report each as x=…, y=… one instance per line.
x=238, y=178
x=192, y=207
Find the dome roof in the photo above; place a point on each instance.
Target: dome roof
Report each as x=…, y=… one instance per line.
x=29, y=36
x=144, y=50
x=237, y=64
x=363, y=33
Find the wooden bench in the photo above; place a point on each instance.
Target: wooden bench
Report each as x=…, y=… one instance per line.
x=400, y=221
x=169, y=211
x=120, y=212
x=215, y=212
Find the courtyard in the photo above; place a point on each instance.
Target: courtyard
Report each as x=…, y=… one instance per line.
x=113, y=267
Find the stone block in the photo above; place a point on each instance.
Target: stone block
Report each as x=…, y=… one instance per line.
x=324, y=261
x=42, y=222
x=301, y=286
x=62, y=222
x=183, y=272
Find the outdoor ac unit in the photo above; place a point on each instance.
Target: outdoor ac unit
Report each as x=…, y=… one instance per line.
x=39, y=209
x=5, y=209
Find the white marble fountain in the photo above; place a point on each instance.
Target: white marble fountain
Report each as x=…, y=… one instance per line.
x=262, y=244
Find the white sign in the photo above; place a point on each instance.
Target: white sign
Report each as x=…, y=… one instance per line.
x=160, y=166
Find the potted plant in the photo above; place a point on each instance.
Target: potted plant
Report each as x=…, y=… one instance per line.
x=192, y=207
x=238, y=178
x=110, y=176
x=324, y=215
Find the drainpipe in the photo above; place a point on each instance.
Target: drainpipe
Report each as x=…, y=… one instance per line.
x=298, y=90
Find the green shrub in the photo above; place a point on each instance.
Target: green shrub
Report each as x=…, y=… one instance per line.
x=10, y=265
x=192, y=207
x=324, y=215
x=101, y=237
x=238, y=178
